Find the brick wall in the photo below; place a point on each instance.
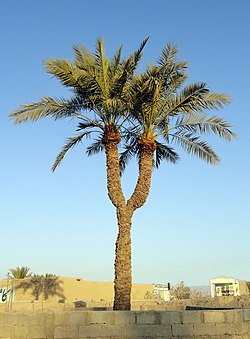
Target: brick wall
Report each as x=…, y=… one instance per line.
x=233, y=324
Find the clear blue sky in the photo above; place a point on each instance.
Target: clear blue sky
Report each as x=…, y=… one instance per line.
x=196, y=222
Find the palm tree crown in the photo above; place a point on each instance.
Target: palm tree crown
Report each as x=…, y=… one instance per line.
x=100, y=98
x=20, y=272
x=165, y=112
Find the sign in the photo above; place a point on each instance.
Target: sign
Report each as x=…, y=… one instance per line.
x=4, y=294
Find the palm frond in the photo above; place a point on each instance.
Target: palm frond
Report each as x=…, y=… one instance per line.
x=216, y=100
x=71, y=142
x=115, y=61
x=202, y=125
x=57, y=108
x=189, y=101
x=138, y=54
x=86, y=123
x=20, y=272
x=193, y=145
x=168, y=54
x=103, y=65
x=173, y=81
x=127, y=69
x=63, y=70
x=88, y=70
x=83, y=58
x=172, y=72
x=89, y=83
x=164, y=152
x=96, y=147
x=131, y=149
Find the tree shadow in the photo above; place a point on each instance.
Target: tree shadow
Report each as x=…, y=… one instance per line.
x=42, y=285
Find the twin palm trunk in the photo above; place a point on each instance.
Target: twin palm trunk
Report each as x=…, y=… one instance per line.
x=124, y=212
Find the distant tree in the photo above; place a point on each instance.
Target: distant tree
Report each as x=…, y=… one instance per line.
x=181, y=291
x=46, y=285
x=197, y=294
x=20, y=272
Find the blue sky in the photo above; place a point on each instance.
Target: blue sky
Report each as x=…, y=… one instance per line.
x=196, y=222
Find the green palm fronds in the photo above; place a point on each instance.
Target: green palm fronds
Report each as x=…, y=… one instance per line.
x=101, y=94
x=20, y=272
x=203, y=125
x=56, y=108
x=154, y=104
x=96, y=147
x=64, y=71
x=193, y=145
x=163, y=108
x=164, y=152
x=71, y=142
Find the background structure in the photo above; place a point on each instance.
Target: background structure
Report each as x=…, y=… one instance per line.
x=195, y=224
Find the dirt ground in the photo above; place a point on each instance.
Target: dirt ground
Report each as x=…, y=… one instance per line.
x=173, y=305
x=225, y=302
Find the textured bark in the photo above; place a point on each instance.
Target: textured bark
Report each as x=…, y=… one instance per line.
x=123, y=275
x=124, y=212
x=122, y=282
x=113, y=175
x=142, y=187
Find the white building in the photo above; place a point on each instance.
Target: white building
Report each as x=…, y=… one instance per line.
x=223, y=286
x=162, y=291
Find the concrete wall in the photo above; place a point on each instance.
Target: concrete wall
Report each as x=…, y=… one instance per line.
x=233, y=324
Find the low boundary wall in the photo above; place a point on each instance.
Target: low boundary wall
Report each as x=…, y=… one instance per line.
x=125, y=324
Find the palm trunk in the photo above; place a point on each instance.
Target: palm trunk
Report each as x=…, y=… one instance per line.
x=123, y=280
x=123, y=275
x=124, y=212
x=113, y=174
x=142, y=187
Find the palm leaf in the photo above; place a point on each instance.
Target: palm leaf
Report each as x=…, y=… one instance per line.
x=192, y=99
x=168, y=54
x=115, y=61
x=128, y=68
x=202, y=125
x=131, y=149
x=71, y=142
x=172, y=72
x=86, y=123
x=64, y=71
x=96, y=147
x=194, y=146
x=103, y=65
x=57, y=108
x=216, y=100
x=83, y=58
x=138, y=54
x=164, y=152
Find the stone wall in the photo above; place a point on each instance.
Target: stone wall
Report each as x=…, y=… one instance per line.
x=233, y=324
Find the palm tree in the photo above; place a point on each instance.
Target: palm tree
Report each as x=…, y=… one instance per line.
x=111, y=100
x=100, y=103
x=20, y=272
